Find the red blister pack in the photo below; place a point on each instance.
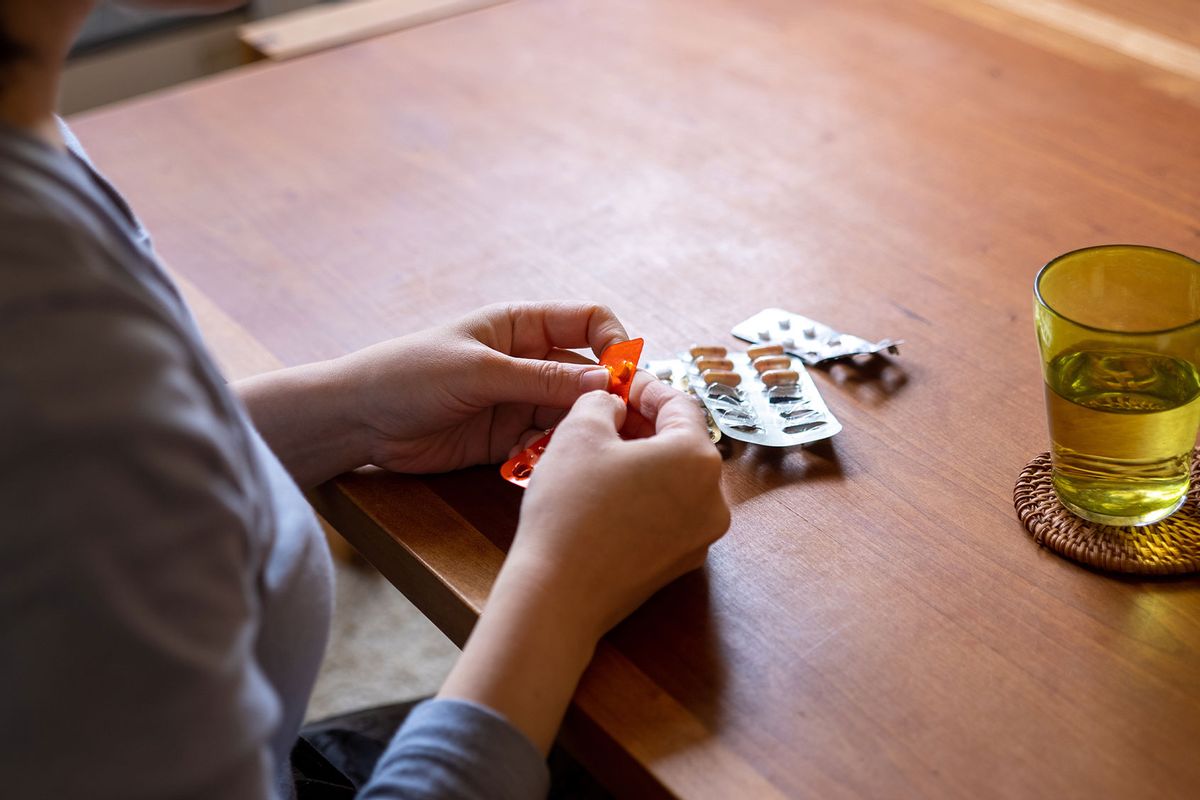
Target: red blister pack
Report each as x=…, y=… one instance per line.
x=621, y=360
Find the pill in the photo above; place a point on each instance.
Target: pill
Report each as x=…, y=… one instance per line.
x=712, y=351
x=785, y=323
x=835, y=341
x=705, y=364
x=764, y=335
x=772, y=362
x=810, y=332
x=723, y=377
x=779, y=377
x=664, y=373
x=760, y=350
x=621, y=373
x=789, y=343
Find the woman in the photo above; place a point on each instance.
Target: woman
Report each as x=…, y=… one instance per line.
x=164, y=589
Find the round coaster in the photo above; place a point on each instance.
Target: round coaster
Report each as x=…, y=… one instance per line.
x=1168, y=547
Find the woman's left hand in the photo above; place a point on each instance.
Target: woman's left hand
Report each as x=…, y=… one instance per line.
x=467, y=393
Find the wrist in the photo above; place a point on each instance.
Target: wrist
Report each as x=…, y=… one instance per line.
x=524, y=658
x=337, y=397
x=367, y=395
x=550, y=604
x=306, y=416
x=566, y=598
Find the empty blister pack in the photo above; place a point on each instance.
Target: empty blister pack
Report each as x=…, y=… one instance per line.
x=810, y=341
x=762, y=396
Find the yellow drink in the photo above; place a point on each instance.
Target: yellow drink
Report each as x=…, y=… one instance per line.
x=1122, y=424
x=1118, y=329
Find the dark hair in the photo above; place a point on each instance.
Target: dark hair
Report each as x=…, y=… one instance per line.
x=11, y=51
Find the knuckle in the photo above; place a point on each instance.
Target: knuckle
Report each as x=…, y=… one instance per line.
x=603, y=323
x=693, y=472
x=495, y=308
x=485, y=315
x=722, y=518
x=707, y=462
x=491, y=366
x=547, y=375
x=708, y=454
x=696, y=560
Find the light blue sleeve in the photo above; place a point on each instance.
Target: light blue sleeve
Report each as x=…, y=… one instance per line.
x=456, y=749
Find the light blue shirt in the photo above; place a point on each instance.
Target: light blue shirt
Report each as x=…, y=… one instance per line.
x=165, y=591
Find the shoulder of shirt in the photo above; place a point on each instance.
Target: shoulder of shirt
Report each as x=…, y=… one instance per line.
x=48, y=234
x=66, y=297
x=57, y=251
x=91, y=363
x=88, y=343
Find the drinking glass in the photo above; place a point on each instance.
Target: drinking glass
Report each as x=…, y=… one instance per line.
x=1118, y=328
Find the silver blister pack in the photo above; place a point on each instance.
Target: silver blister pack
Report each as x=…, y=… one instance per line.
x=780, y=416
x=810, y=341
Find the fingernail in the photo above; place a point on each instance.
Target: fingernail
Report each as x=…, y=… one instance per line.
x=594, y=379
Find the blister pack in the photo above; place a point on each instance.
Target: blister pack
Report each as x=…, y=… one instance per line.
x=811, y=341
x=674, y=372
x=762, y=396
x=621, y=361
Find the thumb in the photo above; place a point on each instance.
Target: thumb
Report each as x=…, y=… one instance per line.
x=544, y=383
x=595, y=414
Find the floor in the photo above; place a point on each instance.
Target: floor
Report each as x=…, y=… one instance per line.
x=381, y=649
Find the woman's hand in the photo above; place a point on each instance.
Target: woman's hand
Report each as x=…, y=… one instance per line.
x=605, y=522
x=465, y=393
x=436, y=400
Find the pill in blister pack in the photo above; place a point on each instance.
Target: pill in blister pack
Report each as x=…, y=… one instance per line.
x=675, y=373
x=765, y=397
x=810, y=341
x=621, y=362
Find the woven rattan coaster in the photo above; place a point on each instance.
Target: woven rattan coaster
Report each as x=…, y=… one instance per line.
x=1169, y=547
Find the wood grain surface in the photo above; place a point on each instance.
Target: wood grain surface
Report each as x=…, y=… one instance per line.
x=876, y=623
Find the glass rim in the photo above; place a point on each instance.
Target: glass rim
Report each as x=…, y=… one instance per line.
x=1037, y=287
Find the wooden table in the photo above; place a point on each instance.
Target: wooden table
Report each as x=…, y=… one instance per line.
x=876, y=623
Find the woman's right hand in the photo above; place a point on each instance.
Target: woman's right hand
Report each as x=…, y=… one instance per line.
x=605, y=523
x=608, y=521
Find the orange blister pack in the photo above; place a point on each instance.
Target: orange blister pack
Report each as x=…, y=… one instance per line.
x=621, y=361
